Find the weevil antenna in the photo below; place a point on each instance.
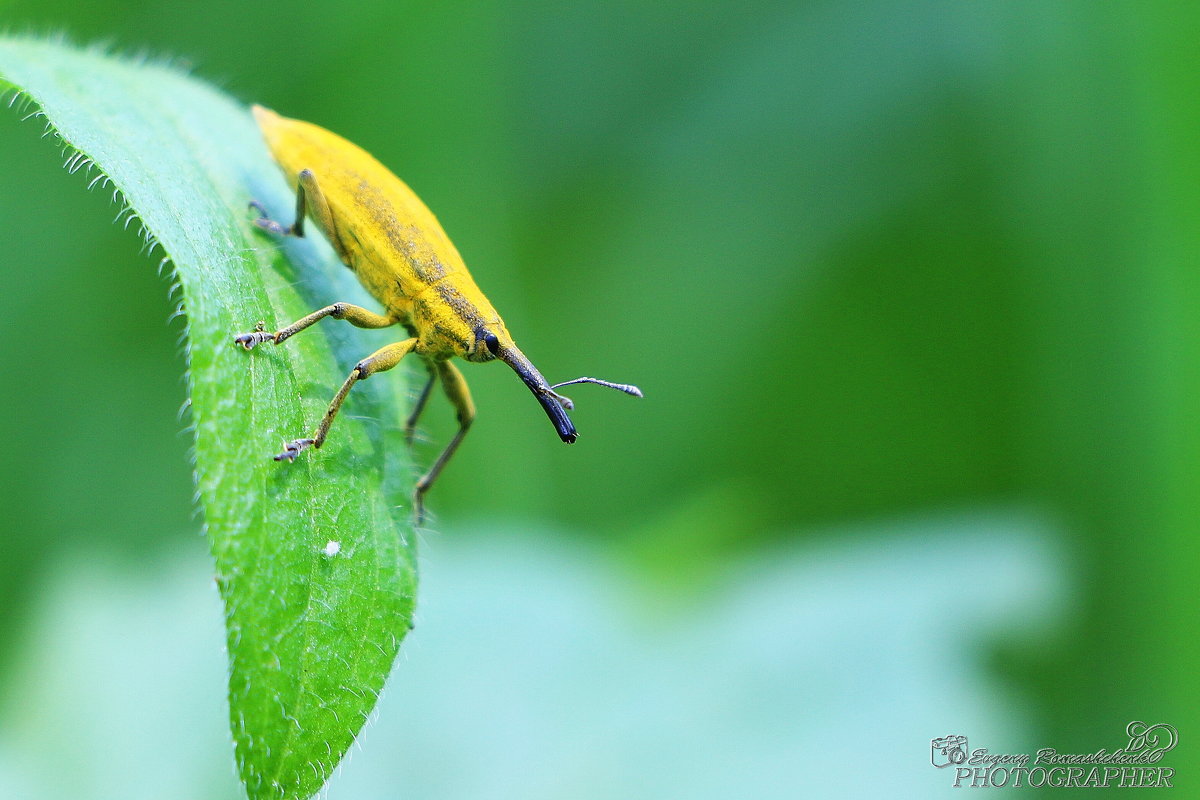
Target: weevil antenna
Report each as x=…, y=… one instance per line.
x=627, y=388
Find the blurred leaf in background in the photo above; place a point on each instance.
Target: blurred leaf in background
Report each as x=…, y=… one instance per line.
x=533, y=676
x=869, y=262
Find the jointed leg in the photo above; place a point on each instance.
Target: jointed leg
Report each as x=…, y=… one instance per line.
x=456, y=389
x=309, y=197
x=411, y=425
x=355, y=315
x=265, y=222
x=380, y=361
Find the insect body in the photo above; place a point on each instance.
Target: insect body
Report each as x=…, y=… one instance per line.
x=394, y=244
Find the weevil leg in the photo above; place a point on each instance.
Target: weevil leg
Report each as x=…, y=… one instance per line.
x=309, y=198
x=265, y=222
x=410, y=426
x=381, y=360
x=357, y=316
x=460, y=396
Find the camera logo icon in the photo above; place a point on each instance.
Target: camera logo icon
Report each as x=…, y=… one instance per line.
x=947, y=751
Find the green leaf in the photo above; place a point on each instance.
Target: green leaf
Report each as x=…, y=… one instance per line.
x=311, y=634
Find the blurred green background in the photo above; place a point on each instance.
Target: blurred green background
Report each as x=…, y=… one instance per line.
x=909, y=288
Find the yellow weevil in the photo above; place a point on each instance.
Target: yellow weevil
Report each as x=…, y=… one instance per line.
x=394, y=244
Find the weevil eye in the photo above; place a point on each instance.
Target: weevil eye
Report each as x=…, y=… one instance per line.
x=493, y=343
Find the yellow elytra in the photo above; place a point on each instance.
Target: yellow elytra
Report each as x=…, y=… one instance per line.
x=384, y=233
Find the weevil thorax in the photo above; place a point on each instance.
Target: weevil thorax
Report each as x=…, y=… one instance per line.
x=454, y=318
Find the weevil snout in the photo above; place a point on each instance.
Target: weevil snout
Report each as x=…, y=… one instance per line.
x=548, y=398
x=554, y=404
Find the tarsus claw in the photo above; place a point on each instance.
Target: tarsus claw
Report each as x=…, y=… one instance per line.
x=293, y=448
x=249, y=340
